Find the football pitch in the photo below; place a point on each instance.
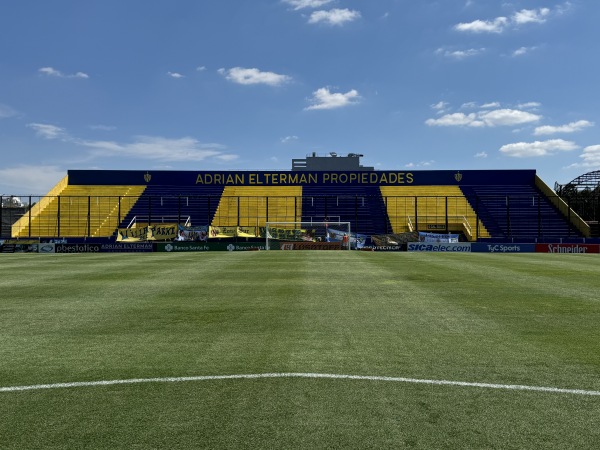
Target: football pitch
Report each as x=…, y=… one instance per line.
x=301, y=349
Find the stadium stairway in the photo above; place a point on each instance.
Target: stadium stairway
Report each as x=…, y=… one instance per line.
x=194, y=205
x=362, y=206
x=253, y=206
x=425, y=208
x=519, y=212
x=78, y=211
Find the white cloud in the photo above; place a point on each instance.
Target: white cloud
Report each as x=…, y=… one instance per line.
x=460, y=54
x=153, y=148
x=529, y=105
x=521, y=51
x=484, y=26
x=201, y=68
x=468, y=105
x=103, y=127
x=47, y=131
x=500, y=24
x=490, y=105
x=31, y=179
x=226, y=157
x=159, y=149
x=334, y=16
x=51, y=72
x=6, y=111
x=507, y=117
x=494, y=118
x=420, y=164
x=439, y=105
x=241, y=75
x=537, y=148
x=301, y=4
x=572, y=127
x=287, y=139
x=481, y=155
x=564, y=8
x=531, y=16
x=455, y=120
x=323, y=98
x=175, y=75
x=590, y=157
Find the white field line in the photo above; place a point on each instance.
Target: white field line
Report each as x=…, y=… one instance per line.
x=515, y=387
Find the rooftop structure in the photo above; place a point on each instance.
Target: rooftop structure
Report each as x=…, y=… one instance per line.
x=350, y=162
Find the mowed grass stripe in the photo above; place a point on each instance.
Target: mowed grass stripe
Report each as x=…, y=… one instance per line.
x=554, y=312
x=296, y=312
x=412, y=316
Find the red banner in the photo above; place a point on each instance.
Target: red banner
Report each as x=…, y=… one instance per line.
x=567, y=248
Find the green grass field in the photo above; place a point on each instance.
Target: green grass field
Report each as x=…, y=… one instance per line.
x=521, y=319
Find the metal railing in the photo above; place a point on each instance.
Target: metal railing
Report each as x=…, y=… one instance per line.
x=503, y=216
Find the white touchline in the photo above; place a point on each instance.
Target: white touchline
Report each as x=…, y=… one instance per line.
x=516, y=387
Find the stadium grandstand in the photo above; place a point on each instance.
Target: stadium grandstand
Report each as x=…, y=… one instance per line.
x=477, y=205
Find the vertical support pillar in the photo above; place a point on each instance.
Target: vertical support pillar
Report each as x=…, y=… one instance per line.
x=416, y=212
x=539, y=214
x=89, y=215
x=29, y=217
x=446, y=215
x=58, y=219
x=476, y=218
x=178, y=209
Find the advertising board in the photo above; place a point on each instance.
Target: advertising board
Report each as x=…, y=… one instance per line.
x=186, y=247
x=478, y=247
x=302, y=245
x=567, y=248
x=127, y=247
x=460, y=247
x=77, y=248
x=46, y=248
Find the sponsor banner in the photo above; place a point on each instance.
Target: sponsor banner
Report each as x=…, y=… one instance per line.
x=163, y=232
x=193, y=233
x=437, y=237
x=302, y=245
x=77, y=248
x=480, y=247
x=132, y=234
x=567, y=248
x=286, y=234
x=300, y=178
x=155, y=232
x=187, y=247
x=246, y=232
x=19, y=246
x=382, y=248
x=46, y=248
x=460, y=247
x=222, y=232
x=126, y=247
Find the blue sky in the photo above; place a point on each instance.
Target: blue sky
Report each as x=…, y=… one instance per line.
x=251, y=84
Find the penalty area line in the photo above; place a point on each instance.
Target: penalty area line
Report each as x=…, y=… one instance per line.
x=514, y=387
